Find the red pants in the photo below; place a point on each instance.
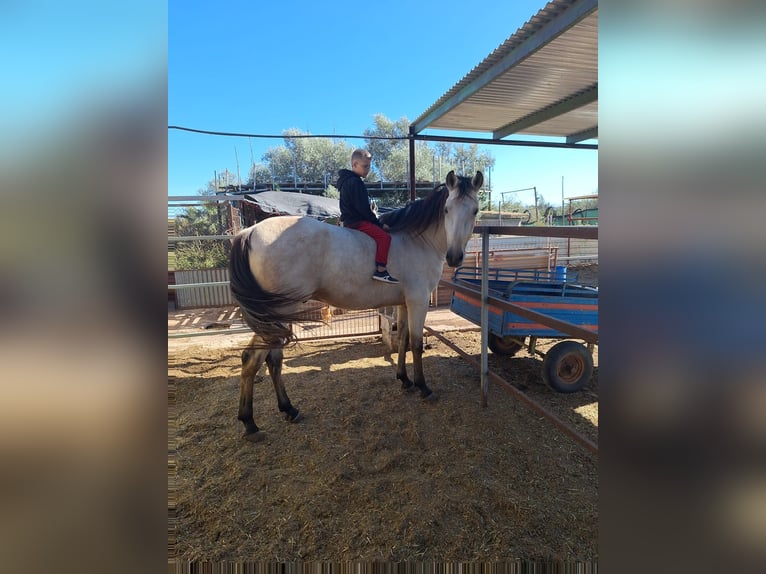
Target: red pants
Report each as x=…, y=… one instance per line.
x=381, y=237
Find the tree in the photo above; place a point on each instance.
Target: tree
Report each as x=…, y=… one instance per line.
x=302, y=160
x=391, y=157
x=383, y=149
x=259, y=173
x=207, y=219
x=280, y=162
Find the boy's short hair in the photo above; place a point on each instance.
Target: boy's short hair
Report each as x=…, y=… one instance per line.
x=360, y=154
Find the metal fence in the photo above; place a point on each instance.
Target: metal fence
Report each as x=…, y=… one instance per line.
x=338, y=323
x=570, y=250
x=209, y=288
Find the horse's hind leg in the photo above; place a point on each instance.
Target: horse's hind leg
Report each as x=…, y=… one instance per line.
x=252, y=359
x=404, y=341
x=274, y=363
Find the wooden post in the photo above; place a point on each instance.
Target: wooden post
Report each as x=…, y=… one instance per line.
x=233, y=218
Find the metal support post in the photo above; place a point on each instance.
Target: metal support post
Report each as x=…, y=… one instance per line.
x=484, y=315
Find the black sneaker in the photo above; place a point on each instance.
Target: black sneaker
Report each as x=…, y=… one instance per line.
x=384, y=277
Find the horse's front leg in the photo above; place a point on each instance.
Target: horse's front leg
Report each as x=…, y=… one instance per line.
x=252, y=359
x=274, y=363
x=417, y=319
x=404, y=341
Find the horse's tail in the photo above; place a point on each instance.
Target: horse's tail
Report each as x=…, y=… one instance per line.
x=267, y=314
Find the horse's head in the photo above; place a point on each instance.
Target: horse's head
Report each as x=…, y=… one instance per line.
x=460, y=211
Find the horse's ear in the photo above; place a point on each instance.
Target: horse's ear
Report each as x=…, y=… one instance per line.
x=451, y=179
x=478, y=180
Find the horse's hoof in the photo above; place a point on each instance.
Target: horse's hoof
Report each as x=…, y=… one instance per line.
x=258, y=436
x=430, y=398
x=296, y=419
x=408, y=389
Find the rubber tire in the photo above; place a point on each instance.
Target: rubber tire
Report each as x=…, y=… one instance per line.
x=567, y=366
x=505, y=346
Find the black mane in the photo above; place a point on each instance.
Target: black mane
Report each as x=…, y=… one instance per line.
x=419, y=215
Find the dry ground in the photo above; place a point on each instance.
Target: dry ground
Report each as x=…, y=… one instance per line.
x=374, y=474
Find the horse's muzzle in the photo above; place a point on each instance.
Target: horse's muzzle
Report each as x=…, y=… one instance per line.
x=454, y=259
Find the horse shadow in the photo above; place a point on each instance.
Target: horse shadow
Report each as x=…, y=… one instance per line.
x=349, y=351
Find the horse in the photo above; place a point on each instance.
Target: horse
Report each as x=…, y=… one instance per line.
x=281, y=262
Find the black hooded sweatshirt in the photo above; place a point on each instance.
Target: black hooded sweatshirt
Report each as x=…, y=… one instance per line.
x=354, y=199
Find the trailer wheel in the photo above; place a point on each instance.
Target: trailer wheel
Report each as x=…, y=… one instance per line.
x=507, y=346
x=567, y=366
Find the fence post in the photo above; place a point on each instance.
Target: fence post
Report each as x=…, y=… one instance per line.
x=484, y=315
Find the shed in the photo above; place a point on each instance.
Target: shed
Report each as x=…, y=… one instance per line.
x=542, y=81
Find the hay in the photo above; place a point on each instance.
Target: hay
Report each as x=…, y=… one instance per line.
x=374, y=474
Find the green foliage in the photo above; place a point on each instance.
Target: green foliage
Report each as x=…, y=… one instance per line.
x=391, y=157
x=311, y=160
x=259, y=173
x=394, y=199
x=332, y=192
x=202, y=255
x=207, y=219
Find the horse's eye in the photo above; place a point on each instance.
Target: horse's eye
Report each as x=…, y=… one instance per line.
x=475, y=211
x=446, y=210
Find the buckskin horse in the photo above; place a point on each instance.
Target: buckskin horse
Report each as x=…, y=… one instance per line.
x=282, y=262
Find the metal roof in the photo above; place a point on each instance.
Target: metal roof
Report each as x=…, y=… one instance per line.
x=541, y=81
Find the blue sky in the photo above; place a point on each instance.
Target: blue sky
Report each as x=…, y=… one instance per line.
x=63, y=60
x=263, y=67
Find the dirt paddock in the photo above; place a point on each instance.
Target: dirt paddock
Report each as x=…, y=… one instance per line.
x=375, y=474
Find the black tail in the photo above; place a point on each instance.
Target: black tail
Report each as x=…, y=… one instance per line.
x=267, y=314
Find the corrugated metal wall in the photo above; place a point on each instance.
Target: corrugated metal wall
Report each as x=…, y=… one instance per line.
x=212, y=296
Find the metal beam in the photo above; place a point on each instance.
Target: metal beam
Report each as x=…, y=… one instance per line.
x=574, y=232
x=205, y=198
x=549, y=31
x=583, y=135
x=488, y=141
x=413, y=181
x=182, y=238
x=561, y=107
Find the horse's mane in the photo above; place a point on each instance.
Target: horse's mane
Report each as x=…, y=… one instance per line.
x=419, y=215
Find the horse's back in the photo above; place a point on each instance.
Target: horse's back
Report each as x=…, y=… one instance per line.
x=301, y=254
x=281, y=248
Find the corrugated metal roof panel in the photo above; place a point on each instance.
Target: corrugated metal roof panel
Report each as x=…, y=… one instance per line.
x=543, y=80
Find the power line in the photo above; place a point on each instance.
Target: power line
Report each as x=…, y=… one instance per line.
x=244, y=135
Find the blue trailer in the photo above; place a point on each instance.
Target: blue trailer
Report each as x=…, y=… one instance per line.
x=559, y=309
